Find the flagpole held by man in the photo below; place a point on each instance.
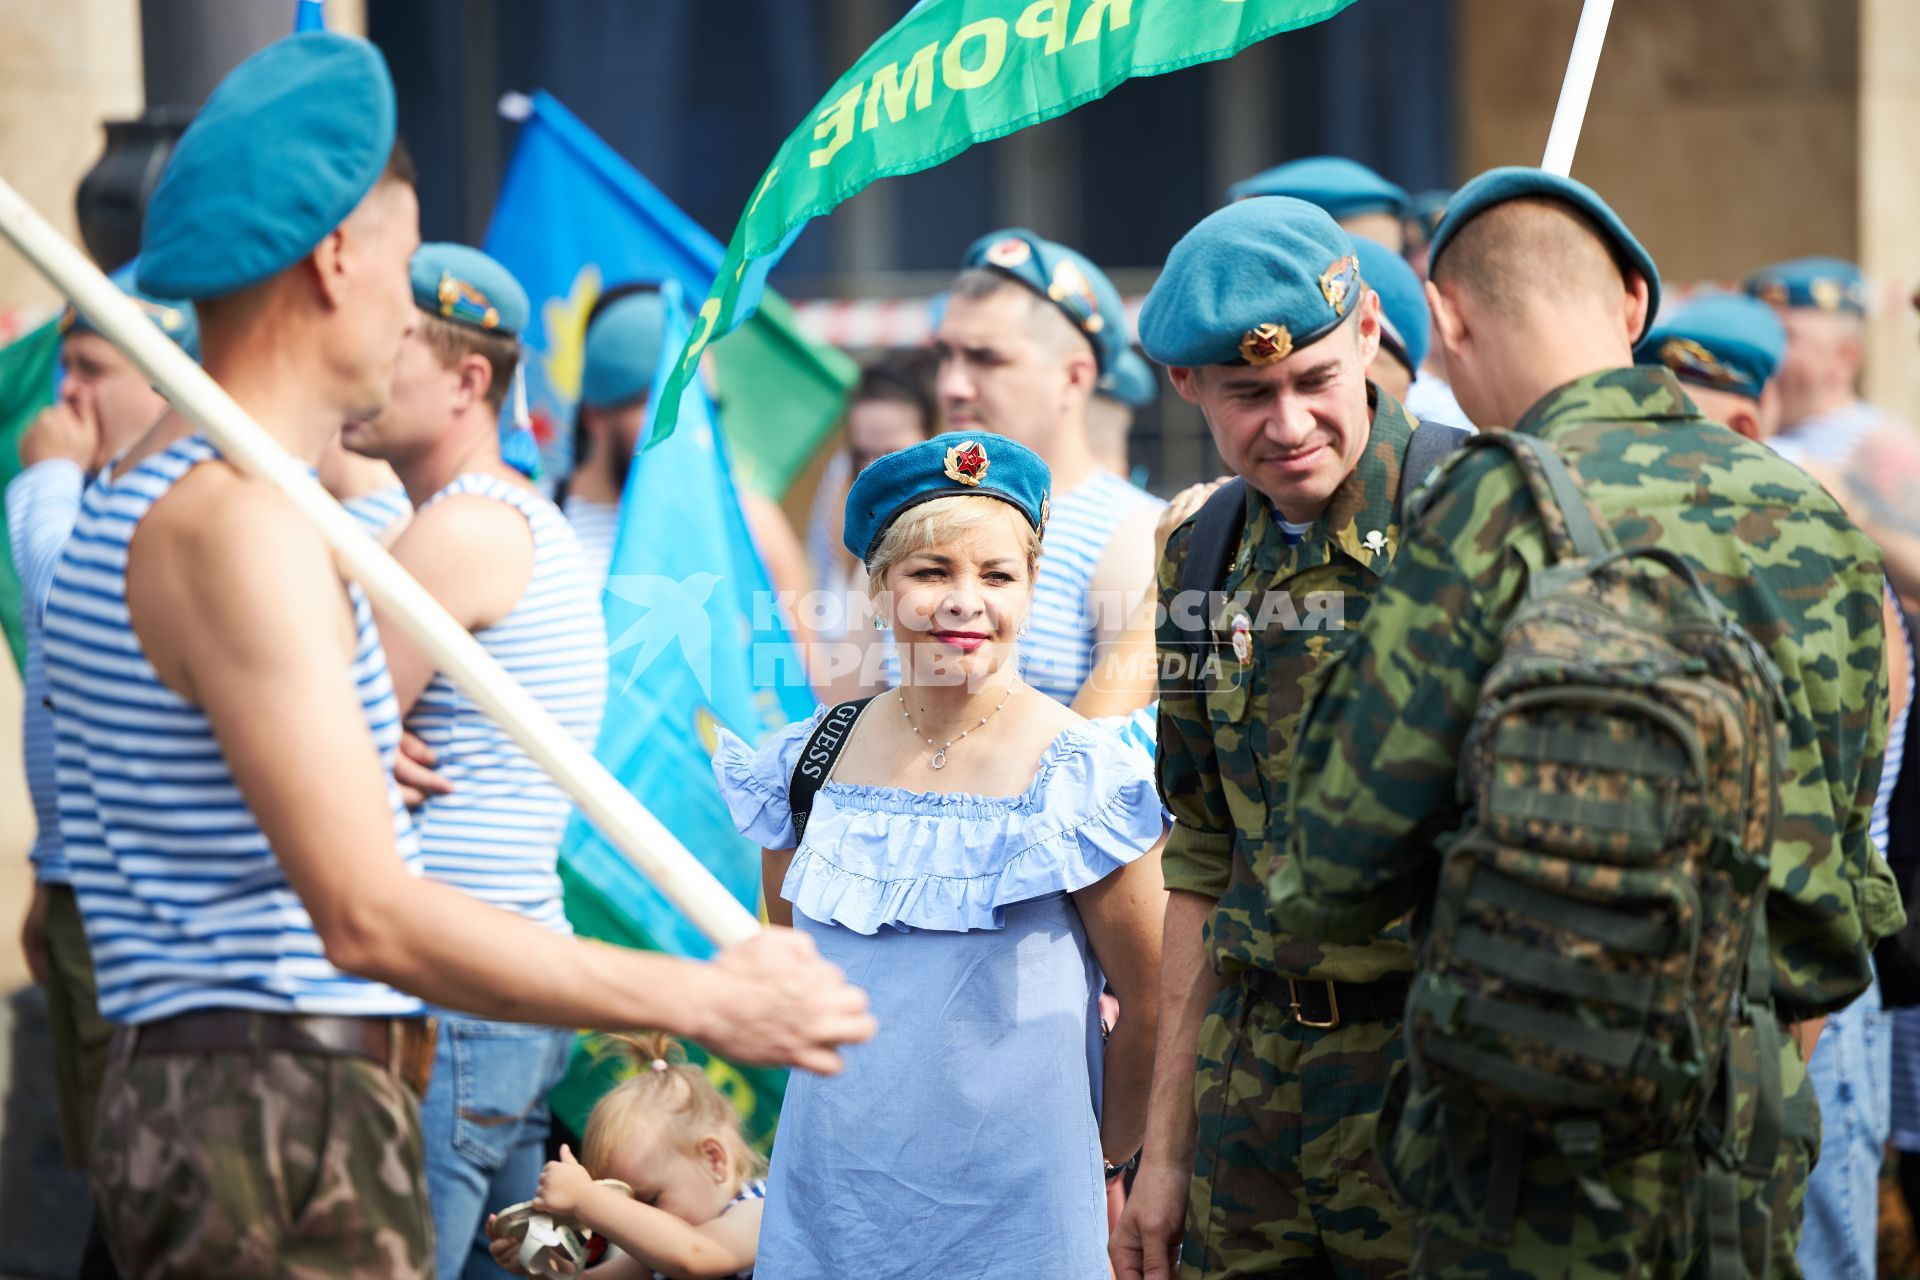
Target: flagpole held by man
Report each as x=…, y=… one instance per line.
x=278, y=981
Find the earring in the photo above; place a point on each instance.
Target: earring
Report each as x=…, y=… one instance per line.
x=1022, y=630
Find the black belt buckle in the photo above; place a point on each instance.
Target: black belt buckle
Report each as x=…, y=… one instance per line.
x=1333, y=1006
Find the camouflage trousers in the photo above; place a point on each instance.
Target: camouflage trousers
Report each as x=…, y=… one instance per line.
x=1285, y=1180
x=1660, y=1226
x=276, y=1164
x=80, y=1035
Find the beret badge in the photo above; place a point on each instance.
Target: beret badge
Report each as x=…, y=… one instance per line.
x=1684, y=355
x=460, y=300
x=967, y=463
x=1070, y=288
x=1009, y=253
x=1337, y=281
x=1828, y=295
x=1266, y=344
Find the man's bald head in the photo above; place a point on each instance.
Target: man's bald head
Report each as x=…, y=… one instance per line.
x=1529, y=295
x=1524, y=253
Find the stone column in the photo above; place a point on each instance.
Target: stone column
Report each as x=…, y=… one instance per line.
x=1889, y=205
x=63, y=69
x=1723, y=131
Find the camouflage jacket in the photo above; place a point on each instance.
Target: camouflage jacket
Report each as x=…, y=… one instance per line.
x=1373, y=783
x=1226, y=743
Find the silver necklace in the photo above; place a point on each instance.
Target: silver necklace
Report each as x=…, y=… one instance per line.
x=940, y=749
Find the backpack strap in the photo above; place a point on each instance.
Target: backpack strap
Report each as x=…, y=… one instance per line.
x=1210, y=550
x=1427, y=447
x=817, y=759
x=1572, y=532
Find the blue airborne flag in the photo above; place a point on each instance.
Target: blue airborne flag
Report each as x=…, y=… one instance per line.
x=574, y=218
x=695, y=643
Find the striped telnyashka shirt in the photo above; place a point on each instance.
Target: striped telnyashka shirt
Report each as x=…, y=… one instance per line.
x=185, y=905
x=380, y=510
x=597, y=525
x=42, y=504
x=1057, y=654
x=497, y=834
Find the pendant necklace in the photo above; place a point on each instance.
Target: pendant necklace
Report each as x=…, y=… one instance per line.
x=940, y=749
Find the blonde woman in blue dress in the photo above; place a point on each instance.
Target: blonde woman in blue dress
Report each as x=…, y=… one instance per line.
x=973, y=858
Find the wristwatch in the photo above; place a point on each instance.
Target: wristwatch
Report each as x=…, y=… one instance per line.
x=1131, y=1163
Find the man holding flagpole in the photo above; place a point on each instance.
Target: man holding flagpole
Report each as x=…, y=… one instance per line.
x=226, y=722
x=105, y=403
x=504, y=562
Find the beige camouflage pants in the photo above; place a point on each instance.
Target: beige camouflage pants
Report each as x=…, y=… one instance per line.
x=287, y=1165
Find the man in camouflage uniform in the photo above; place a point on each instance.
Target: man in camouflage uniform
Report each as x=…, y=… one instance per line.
x=1269, y=330
x=1539, y=292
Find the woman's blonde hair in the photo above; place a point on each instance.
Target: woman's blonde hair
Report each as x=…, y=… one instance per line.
x=671, y=1095
x=940, y=521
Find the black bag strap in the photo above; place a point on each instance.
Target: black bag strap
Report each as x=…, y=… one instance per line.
x=817, y=758
x=1429, y=445
x=1897, y=958
x=1210, y=550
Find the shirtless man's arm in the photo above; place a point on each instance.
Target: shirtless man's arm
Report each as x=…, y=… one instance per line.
x=238, y=606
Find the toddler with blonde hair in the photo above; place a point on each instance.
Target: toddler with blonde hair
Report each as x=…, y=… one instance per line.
x=697, y=1186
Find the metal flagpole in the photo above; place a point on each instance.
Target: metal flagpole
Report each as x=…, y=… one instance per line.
x=1575, y=89
x=622, y=819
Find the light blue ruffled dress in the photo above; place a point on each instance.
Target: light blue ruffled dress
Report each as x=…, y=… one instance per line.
x=964, y=1140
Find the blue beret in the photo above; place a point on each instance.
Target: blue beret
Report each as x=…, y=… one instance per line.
x=1520, y=182
x=1722, y=341
x=623, y=351
x=176, y=319
x=946, y=466
x=1068, y=280
x=465, y=286
x=1404, y=322
x=287, y=146
x=1132, y=382
x=1249, y=284
x=1823, y=284
x=1344, y=188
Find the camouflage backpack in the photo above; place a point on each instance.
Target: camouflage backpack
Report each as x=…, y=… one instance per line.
x=1598, y=931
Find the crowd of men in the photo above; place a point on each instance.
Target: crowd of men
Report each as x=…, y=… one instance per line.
x=240, y=962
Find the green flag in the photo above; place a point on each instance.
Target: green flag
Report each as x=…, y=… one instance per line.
x=950, y=74
x=26, y=387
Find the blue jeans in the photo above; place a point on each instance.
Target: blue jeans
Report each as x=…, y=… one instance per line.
x=1851, y=1072
x=485, y=1123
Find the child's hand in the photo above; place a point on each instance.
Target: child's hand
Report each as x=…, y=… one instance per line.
x=563, y=1184
x=506, y=1253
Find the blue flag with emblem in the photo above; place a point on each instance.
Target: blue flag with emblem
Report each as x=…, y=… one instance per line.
x=572, y=218
x=695, y=643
